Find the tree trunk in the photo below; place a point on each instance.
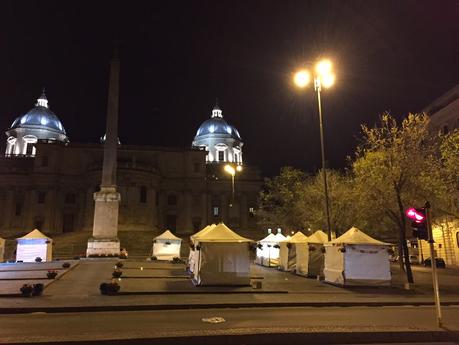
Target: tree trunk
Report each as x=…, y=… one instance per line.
x=405, y=256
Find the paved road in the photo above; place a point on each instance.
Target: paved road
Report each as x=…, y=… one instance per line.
x=357, y=325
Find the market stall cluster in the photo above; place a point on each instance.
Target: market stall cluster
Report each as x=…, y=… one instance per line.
x=220, y=256
x=354, y=258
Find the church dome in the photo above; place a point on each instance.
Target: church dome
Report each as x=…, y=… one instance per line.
x=222, y=141
x=40, y=117
x=38, y=124
x=217, y=126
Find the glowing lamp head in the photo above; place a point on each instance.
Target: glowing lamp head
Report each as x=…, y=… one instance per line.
x=302, y=78
x=239, y=168
x=328, y=80
x=323, y=67
x=230, y=170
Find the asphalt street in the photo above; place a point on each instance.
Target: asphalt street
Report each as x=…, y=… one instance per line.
x=355, y=324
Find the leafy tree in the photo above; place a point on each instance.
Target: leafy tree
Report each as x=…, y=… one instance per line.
x=388, y=169
x=341, y=201
x=278, y=202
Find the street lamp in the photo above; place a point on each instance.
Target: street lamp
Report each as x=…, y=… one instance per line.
x=323, y=77
x=232, y=171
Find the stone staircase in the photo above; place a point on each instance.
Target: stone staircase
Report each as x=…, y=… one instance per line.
x=69, y=245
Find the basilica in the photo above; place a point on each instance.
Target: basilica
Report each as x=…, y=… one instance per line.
x=48, y=182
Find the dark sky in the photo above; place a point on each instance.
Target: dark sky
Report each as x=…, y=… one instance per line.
x=178, y=56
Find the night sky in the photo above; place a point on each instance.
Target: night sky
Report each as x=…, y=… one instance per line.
x=177, y=57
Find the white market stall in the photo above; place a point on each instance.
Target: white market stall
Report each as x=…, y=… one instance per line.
x=287, y=251
x=268, y=250
x=192, y=254
x=34, y=245
x=355, y=258
x=166, y=246
x=222, y=257
x=2, y=249
x=310, y=256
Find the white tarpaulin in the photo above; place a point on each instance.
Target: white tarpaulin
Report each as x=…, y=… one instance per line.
x=357, y=259
x=268, y=250
x=192, y=255
x=166, y=246
x=309, y=256
x=287, y=251
x=34, y=245
x=222, y=257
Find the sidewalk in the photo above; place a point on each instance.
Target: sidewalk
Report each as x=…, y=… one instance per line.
x=79, y=291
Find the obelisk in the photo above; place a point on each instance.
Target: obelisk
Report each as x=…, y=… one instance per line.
x=105, y=230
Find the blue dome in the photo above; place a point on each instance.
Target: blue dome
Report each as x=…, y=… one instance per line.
x=216, y=125
x=40, y=117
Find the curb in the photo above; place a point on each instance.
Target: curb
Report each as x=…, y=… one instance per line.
x=395, y=337
x=158, y=307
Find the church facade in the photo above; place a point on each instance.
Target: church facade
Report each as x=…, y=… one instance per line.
x=48, y=182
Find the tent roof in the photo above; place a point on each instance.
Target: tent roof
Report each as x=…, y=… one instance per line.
x=202, y=232
x=318, y=237
x=270, y=238
x=167, y=235
x=279, y=237
x=356, y=236
x=298, y=237
x=221, y=233
x=34, y=234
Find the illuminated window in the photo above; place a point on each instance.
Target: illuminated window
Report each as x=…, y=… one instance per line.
x=252, y=211
x=216, y=211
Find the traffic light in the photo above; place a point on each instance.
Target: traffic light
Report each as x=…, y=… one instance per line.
x=419, y=223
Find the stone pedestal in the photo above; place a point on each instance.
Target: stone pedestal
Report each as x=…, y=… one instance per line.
x=105, y=246
x=105, y=230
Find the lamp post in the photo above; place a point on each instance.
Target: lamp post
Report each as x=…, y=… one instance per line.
x=323, y=77
x=232, y=171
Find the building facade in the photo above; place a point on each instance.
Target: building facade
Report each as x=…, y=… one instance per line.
x=48, y=183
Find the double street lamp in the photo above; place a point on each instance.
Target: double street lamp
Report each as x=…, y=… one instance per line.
x=323, y=77
x=230, y=169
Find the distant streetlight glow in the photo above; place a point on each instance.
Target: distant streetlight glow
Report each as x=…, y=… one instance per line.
x=230, y=169
x=323, y=77
x=302, y=78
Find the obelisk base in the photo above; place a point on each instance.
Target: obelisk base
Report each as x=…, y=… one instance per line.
x=103, y=247
x=105, y=240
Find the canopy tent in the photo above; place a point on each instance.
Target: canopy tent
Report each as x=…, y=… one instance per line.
x=287, y=251
x=355, y=258
x=192, y=254
x=34, y=245
x=2, y=249
x=222, y=257
x=268, y=250
x=166, y=246
x=310, y=256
